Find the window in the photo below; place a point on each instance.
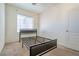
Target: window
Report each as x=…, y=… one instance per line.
x=24, y=22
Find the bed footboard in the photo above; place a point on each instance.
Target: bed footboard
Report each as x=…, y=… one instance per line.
x=43, y=48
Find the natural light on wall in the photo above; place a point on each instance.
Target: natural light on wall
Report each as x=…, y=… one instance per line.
x=24, y=22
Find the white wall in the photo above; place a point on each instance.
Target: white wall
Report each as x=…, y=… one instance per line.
x=2, y=26
x=11, y=21
x=51, y=24
x=54, y=22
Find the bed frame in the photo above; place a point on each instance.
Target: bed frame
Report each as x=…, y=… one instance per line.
x=35, y=48
x=43, y=48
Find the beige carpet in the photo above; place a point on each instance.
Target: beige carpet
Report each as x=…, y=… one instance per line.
x=15, y=49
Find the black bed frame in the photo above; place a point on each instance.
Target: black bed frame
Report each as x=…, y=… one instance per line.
x=43, y=48
x=39, y=49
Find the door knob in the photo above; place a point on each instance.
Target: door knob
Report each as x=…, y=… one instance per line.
x=67, y=31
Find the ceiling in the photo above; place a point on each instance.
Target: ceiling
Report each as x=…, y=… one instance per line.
x=38, y=7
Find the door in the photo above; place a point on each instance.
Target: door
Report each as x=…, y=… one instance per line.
x=73, y=29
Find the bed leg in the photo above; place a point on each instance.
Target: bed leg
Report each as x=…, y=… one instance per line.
x=22, y=44
x=19, y=37
x=35, y=39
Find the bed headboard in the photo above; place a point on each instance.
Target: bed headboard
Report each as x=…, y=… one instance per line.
x=25, y=31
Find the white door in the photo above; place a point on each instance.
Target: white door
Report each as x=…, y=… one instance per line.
x=73, y=29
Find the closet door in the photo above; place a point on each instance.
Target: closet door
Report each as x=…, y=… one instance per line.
x=73, y=29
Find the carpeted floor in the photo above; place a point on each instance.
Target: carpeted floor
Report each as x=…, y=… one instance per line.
x=15, y=49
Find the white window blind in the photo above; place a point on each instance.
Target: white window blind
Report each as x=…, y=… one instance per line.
x=24, y=22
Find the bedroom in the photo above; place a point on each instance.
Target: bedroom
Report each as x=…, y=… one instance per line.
x=51, y=20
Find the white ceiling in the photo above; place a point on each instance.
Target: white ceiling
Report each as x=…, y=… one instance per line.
x=38, y=8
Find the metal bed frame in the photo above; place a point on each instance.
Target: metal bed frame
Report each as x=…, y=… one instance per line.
x=43, y=48
x=37, y=47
